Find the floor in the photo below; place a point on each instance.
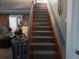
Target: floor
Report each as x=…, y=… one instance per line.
x=6, y=53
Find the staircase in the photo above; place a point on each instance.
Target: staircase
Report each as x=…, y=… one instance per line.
x=43, y=43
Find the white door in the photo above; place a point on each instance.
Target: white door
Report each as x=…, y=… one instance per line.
x=41, y=1
x=72, y=43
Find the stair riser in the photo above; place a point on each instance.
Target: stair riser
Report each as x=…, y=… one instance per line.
x=42, y=13
x=42, y=29
x=48, y=56
x=38, y=16
x=53, y=40
x=41, y=8
x=41, y=20
x=45, y=21
x=40, y=4
x=42, y=34
x=45, y=17
x=41, y=25
x=47, y=41
x=38, y=47
x=37, y=11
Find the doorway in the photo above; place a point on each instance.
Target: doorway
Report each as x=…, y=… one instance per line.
x=14, y=20
x=41, y=1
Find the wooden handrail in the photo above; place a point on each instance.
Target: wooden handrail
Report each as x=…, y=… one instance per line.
x=30, y=28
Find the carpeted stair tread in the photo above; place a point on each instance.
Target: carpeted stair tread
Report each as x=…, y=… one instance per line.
x=44, y=55
x=43, y=10
x=43, y=40
x=42, y=16
x=43, y=47
x=42, y=19
x=43, y=44
x=44, y=52
x=42, y=37
x=42, y=26
x=43, y=31
x=41, y=13
x=46, y=40
x=42, y=23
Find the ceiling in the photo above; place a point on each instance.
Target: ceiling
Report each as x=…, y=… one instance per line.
x=7, y=6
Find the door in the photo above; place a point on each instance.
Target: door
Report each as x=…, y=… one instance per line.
x=72, y=42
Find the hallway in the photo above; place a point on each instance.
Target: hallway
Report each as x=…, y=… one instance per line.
x=39, y=29
x=44, y=36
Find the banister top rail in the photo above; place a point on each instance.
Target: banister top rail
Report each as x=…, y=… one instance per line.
x=30, y=28
x=30, y=21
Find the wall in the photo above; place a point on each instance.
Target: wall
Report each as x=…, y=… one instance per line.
x=4, y=20
x=15, y=6
x=58, y=25
x=60, y=20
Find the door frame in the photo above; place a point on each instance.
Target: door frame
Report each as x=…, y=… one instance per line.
x=72, y=29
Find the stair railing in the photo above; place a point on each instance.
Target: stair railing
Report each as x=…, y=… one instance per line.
x=30, y=21
x=30, y=28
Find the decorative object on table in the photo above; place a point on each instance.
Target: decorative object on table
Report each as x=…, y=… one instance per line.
x=19, y=21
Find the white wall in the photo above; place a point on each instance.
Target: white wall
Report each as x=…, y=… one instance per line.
x=59, y=19
x=16, y=6
x=54, y=16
